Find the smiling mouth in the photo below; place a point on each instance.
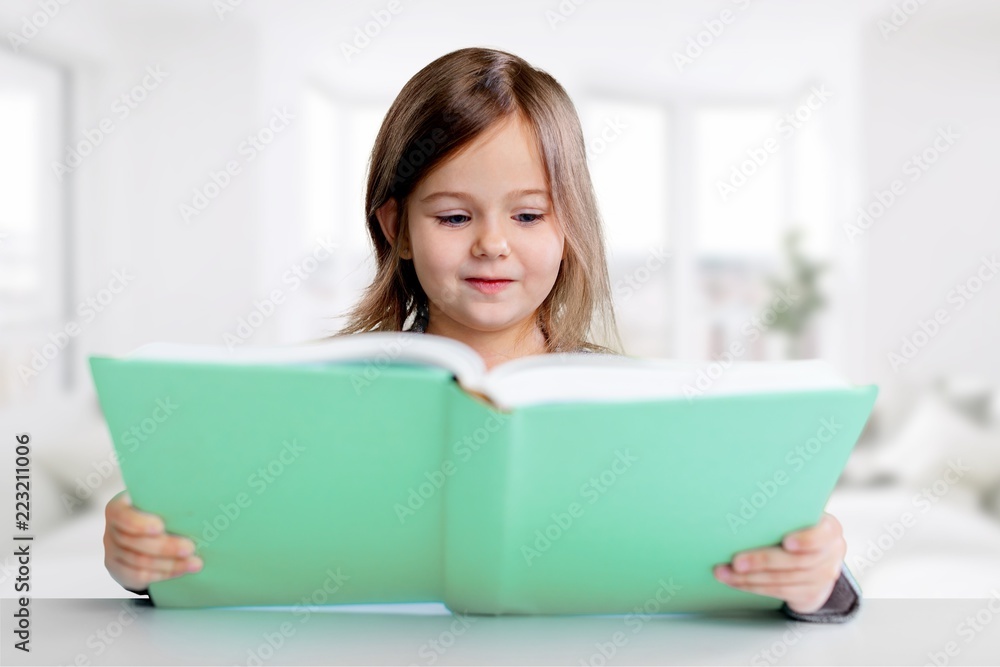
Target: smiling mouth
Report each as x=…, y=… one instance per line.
x=488, y=286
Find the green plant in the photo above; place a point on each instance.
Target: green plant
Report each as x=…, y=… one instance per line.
x=803, y=283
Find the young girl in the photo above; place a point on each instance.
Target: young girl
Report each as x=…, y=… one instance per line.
x=486, y=230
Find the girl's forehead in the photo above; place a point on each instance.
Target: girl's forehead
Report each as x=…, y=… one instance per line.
x=509, y=163
x=516, y=194
x=511, y=138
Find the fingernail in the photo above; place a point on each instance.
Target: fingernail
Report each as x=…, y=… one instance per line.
x=194, y=565
x=791, y=543
x=186, y=549
x=723, y=573
x=152, y=528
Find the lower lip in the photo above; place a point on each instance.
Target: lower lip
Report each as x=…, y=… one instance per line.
x=489, y=286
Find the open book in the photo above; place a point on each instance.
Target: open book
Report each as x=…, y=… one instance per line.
x=391, y=467
x=541, y=378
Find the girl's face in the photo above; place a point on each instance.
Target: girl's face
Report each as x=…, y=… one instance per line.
x=486, y=213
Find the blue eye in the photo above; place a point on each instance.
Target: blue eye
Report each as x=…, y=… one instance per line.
x=448, y=220
x=444, y=219
x=538, y=217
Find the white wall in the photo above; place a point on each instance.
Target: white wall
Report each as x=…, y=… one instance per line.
x=941, y=69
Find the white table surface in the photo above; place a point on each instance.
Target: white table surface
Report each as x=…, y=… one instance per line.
x=129, y=631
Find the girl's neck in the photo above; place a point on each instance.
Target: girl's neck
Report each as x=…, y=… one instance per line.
x=495, y=347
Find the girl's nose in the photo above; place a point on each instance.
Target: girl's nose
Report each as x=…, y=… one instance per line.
x=490, y=238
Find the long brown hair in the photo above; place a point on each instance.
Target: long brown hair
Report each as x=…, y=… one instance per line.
x=445, y=106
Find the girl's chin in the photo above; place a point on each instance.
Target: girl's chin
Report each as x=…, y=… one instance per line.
x=489, y=323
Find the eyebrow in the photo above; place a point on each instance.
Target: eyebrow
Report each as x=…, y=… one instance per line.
x=465, y=195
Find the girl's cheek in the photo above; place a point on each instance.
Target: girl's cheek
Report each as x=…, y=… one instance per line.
x=435, y=265
x=441, y=256
x=544, y=258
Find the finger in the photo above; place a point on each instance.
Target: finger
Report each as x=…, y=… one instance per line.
x=164, y=546
x=153, y=564
x=128, y=577
x=778, y=559
x=142, y=577
x=784, y=591
x=125, y=518
x=815, y=537
x=726, y=575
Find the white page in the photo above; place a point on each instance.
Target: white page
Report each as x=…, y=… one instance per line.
x=379, y=347
x=588, y=376
x=529, y=380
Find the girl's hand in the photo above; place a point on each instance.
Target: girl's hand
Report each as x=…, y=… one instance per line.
x=137, y=551
x=802, y=572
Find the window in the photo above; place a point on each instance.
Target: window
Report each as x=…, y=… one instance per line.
x=738, y=202
x=755, y=184
x=32, y=243
x=627, y=151
x=338, y=136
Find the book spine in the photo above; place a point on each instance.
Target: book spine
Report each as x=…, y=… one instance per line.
x=478, y=463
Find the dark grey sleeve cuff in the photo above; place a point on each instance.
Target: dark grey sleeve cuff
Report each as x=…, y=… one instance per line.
x=842, y=605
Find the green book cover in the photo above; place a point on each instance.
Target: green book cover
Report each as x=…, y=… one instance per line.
x=624, y=507
x=341, y=473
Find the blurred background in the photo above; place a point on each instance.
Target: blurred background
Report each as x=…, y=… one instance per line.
x=167, y=167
